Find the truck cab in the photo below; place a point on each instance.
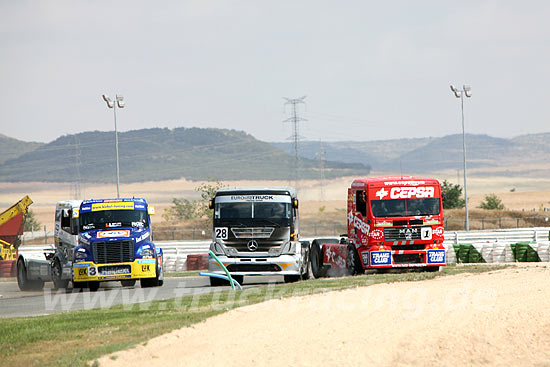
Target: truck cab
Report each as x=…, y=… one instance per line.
x=96, y=241
x=397, y=222
x=114, y=243
x=256, y=232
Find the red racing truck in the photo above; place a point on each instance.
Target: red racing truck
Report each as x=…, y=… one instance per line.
x=393, y=222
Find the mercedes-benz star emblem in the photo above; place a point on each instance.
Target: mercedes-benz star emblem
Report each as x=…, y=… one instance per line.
x=252, y=245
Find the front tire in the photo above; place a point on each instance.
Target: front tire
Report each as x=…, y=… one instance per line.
x=353, y=262
x=57, y=274
x=292, y=278
x=93, y=286
x=128, y=283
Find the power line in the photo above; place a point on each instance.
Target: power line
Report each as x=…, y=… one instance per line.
x=321, y=155
x=295, y=119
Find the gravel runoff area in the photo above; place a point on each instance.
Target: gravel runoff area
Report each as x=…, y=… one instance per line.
x=499, y=318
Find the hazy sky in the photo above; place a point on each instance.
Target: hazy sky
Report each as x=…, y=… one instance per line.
x=370, y=69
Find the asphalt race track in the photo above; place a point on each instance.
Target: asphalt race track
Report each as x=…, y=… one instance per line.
x=14, y=303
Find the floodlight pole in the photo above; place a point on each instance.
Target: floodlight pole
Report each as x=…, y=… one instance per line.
x=467, y=221
x=116, y=148
x=119, y=101
x=466, y=90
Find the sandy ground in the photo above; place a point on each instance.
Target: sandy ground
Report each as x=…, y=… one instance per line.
x=530, y=193
x=501, y=318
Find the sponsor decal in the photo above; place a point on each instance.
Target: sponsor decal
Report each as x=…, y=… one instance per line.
x=81, y=265
x=436, y=257
x=82, y=272
x=113, y=225
x=404, y=183
x=382, y=193
x=412, y=192
x=380, y=258
x=362, y=226
x=143, y=237
x=75, y=213
x=253, y=198
x=150, y=261
x=114, y=233
x=121, y=205
x=365, y=257
x=383, y=223
x=439, y=231
x=377, y=234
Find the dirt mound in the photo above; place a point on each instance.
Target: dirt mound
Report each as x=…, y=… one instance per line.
x=496, y=318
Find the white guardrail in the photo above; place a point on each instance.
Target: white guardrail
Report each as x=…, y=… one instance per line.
x=493, y=245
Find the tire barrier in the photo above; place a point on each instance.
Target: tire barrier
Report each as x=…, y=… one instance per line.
x=7, y=269
x=498, y=252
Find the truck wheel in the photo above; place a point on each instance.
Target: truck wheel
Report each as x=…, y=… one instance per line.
x=307, y=273
x=316, y=259
x=432, y=269
x=80, y=285
x=291, y=278
x=217, y=282
x=24, y=283
x=151, y=282
x=57, y=273
x=93, y=286
x=353, y=262
x=128, y=283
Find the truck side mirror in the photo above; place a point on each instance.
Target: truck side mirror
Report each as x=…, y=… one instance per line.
x=295, y=203
x=211, y=204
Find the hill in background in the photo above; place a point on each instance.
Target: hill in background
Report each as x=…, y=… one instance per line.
x=162, y=154
x=11, y=148
x=485, y=154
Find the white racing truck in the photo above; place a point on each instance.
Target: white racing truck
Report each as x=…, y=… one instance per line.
x=256, y=232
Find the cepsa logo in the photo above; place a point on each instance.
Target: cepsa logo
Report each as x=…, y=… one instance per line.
x=412, y=192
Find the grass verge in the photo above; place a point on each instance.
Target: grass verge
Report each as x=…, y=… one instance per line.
x=76, y=338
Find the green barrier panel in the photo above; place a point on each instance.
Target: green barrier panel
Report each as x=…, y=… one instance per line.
x=464, y=253
x=523, y=252
x=456, y=247
x=467, y=253
x=475, y=256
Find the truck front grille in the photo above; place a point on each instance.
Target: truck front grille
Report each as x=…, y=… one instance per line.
x=253, y=267
x=113, y=252
x=252, y=232
x=402, y=233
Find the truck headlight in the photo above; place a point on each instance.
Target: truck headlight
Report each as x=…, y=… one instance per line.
x=216, y=248
x=80, y=255
x=289, y=248
x=147, y=253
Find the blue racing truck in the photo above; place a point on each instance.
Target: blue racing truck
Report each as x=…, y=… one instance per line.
x=97, y=241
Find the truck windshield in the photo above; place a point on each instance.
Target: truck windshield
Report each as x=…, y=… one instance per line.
x=113, y=219
x=405, y=207
x=273, y=211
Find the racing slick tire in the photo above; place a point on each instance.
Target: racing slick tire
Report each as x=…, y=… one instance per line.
x=292, y=278
x=93, y=286
x=128, y=283
x=24, y=283
x=432, y=269
x=307, y=273
x=57, y=273
x=316, y=257
x=353, y=262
